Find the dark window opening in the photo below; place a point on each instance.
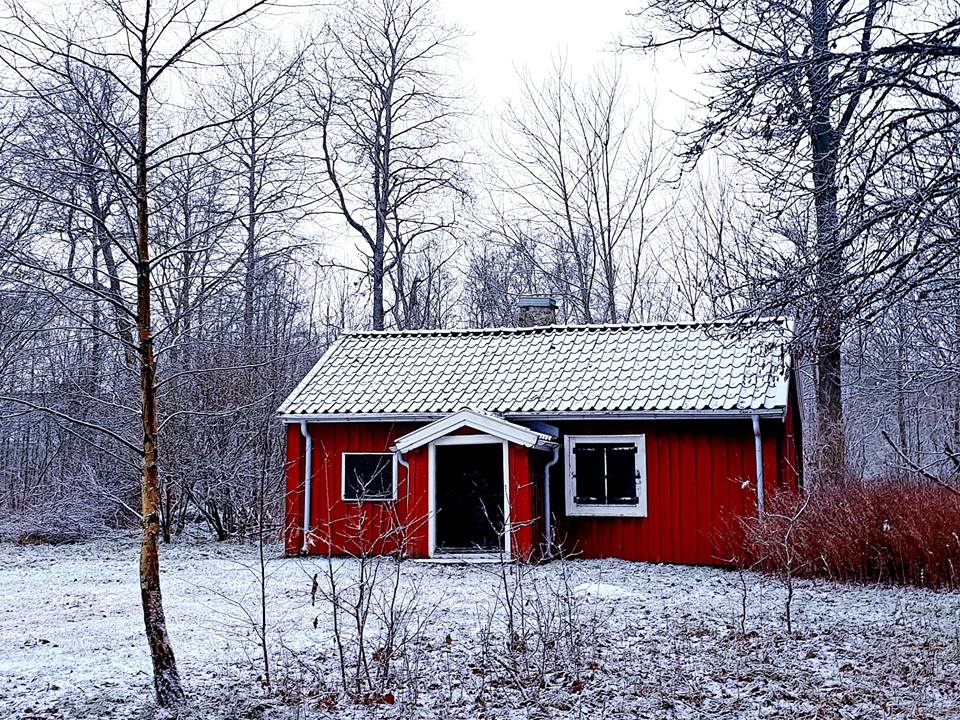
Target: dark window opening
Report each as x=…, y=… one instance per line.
x=368, y=476
x=605, y=474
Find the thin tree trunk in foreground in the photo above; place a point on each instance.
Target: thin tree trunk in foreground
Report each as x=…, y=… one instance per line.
x=166, y=678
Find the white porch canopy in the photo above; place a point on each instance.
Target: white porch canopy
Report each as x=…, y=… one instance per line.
x=480, y=421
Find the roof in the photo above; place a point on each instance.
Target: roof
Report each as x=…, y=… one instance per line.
x=553, y=371
x=485, y=422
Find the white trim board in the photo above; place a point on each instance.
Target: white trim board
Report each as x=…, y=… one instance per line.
x=487, y=424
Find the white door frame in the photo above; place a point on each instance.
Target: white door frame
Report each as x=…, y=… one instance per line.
x=432, y=484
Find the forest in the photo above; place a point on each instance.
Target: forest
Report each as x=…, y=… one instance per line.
x=198, y=196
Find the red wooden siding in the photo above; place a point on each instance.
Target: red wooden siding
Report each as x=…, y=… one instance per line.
x=343, y=527
x=701, y=475
x=525, y=530
x=293, y=506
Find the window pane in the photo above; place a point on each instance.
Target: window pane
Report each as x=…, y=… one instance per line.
x=589, y=474
x=622, y=474
x=368, y=476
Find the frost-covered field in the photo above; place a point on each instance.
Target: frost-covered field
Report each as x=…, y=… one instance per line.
x=658, y=641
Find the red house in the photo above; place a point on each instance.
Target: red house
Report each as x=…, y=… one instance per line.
x=634, y=441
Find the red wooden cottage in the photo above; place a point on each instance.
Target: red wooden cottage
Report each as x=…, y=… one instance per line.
x=633, y=441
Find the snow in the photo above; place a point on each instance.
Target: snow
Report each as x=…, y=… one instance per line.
x=659, y=641
x=601, y=590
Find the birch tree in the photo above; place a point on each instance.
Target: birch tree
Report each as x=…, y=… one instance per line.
x=139, y=50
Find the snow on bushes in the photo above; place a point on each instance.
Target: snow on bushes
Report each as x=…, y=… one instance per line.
x=69, y=519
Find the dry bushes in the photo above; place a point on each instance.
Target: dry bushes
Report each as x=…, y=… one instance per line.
x=378, y=620
x=891, y=530
x=536, y=629
x=75, y=517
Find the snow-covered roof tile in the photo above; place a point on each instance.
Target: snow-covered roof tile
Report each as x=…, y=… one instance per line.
x=680, y=367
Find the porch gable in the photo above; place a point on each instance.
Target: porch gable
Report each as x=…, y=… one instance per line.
x=486, y=423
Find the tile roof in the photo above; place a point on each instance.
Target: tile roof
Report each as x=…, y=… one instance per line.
x=678, y=367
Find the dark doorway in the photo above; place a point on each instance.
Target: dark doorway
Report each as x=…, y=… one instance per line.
x=469, y=492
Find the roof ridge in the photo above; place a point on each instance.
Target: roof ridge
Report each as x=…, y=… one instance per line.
x=779, y=319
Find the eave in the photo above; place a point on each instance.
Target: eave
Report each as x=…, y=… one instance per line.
x=732, y=414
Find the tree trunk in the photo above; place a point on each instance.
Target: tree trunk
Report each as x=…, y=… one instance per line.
x=96, y=339
x=831, y=458
x=825, y=146
x=249, y=285
x=901, y=389
x=166, y=679
x=956, y=385
x=114, y=289
x=382, y=181
x=378, y=286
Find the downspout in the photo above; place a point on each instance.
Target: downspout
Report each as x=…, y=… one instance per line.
x=547, y=515
x=402, y=462
x=758, y=450
x=307, y=482
x=406, y=466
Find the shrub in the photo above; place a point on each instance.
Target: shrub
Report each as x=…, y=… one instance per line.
x=891, y=530
x=74, y=517
x=87, y=511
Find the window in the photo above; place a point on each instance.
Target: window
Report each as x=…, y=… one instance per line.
x=369, y=476
x=606, y=475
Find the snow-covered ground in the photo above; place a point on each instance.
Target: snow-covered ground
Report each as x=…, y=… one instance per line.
x=653, y=641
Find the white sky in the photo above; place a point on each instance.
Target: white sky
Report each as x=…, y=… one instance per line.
x=503, y=37
x=506, y=35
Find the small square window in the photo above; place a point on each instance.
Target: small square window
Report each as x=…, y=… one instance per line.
x=606, y=475
x=369, y=476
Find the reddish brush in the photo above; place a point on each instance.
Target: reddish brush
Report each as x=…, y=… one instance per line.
x=891, y=530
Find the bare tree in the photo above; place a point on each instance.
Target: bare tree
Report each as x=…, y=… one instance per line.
x=384, y=119
x=822, y=101
x=712, y=254
x=580, y=173
x=495, y=273
x=137, y=49
x=256, y=99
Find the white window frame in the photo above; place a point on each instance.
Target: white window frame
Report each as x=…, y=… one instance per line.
x=590, y=510
x=343, y=479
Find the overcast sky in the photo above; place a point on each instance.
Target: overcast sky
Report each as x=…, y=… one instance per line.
x=506, y=35
x=502, y=37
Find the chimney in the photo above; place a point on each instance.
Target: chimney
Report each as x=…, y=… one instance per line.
x=536, y=310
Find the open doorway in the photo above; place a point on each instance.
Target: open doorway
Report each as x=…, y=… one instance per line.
x=469, y=497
